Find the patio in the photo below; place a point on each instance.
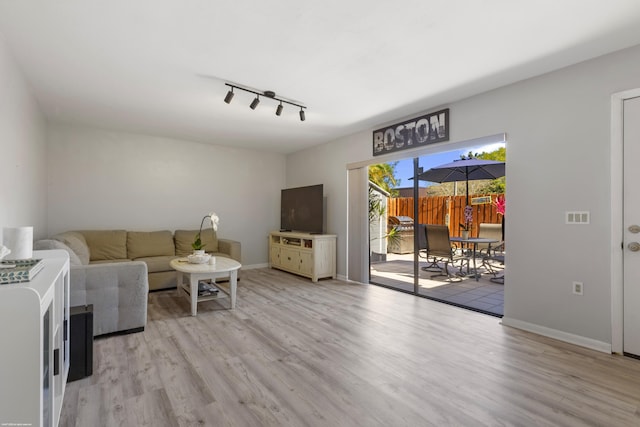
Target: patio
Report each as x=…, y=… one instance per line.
x=482, y=295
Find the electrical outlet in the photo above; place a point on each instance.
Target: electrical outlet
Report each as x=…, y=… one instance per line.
x=578, y=288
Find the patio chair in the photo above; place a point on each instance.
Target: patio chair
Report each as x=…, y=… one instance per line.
x=423, y=253
x=489, y=231
x=498, y=278
x=439, y=249
x=493, y=262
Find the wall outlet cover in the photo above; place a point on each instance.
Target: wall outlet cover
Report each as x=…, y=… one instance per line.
x=578, y=288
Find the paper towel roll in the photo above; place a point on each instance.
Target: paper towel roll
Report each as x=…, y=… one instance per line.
x=19, y=240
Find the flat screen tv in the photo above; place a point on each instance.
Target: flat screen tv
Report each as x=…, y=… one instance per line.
x=301, y=209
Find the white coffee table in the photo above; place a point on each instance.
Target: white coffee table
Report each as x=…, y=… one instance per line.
x=223, y=267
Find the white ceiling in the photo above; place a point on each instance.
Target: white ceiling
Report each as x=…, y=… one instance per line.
x=159, y=66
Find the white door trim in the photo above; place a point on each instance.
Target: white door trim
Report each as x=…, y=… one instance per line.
x=617, y=180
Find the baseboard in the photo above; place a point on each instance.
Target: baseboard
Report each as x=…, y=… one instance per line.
x=346, y=279
x=266, y=265
x=558, y=335
x=254, y=266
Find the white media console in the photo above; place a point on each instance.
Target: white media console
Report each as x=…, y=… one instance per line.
x=34, y=332
x=308, y=255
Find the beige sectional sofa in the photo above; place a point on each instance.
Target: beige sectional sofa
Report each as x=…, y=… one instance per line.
x=115, y=269
x=154, y=248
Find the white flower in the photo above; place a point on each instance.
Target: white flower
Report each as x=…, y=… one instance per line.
x=214, y=220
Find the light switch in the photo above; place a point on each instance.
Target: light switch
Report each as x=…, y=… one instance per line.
x=577, y=217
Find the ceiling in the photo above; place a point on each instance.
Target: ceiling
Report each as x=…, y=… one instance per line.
x=159, y=66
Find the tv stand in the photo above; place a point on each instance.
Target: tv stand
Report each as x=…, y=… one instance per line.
x=304, y=254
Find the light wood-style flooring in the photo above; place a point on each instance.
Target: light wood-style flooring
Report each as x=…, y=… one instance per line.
x=295, y=353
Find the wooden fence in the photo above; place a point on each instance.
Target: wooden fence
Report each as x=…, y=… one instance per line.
x=439, y=209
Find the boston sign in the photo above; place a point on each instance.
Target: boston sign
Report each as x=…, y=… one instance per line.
x=413, y=133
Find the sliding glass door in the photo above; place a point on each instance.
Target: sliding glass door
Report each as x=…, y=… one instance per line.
x=401, y=205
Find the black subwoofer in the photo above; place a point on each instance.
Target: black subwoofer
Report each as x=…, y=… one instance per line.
x=80, y=342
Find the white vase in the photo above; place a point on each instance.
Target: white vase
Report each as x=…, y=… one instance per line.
x=465, y=234
x=198, y=251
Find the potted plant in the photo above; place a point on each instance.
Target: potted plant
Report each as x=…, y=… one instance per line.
x=197, y=244
x=468, y=219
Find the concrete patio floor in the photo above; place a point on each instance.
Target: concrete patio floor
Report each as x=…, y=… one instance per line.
x=481, y=295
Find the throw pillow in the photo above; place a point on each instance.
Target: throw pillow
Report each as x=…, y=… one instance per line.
x=106, y=244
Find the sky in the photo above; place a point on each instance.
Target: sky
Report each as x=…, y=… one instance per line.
x=404, y=169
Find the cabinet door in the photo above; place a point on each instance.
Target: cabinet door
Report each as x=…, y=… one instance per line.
x=290, y=259
x=306, y=263
x=275, y=255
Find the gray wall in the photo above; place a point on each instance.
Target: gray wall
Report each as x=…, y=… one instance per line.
x=108, y=179
x=558, y=155
x=23, y=195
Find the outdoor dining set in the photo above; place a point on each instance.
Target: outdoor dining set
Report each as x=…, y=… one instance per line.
x=457, y=257
x=488, y=248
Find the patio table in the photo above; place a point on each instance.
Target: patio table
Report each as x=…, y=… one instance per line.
x=473, y=241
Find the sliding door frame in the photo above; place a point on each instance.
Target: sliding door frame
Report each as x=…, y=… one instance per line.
x=357, y=218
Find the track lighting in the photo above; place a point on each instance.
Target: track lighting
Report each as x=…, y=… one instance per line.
x=229, y=96
x=268, y=94
x=255, y=102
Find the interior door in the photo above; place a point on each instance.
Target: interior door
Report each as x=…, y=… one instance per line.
x=631, y=222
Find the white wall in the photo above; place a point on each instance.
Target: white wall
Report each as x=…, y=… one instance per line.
x=23, y=152
x=558, y=155
x=102, y=179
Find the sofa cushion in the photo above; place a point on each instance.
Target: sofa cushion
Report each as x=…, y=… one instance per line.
x=48, y=244
x=184, y=239
x=106, y=244
x=77, y=243
x=156, y=264
x=150, y=244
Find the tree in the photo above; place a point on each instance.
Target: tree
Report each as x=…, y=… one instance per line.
x=383, y=175
x=499, y=155
x=495, y=186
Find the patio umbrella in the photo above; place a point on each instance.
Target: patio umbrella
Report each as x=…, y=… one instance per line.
x=464, y=170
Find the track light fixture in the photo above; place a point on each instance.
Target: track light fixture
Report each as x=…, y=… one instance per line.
x=229, y=96
x=255, y=102
x=267, y=94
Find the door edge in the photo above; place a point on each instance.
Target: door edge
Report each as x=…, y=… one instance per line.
x=617, y=180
